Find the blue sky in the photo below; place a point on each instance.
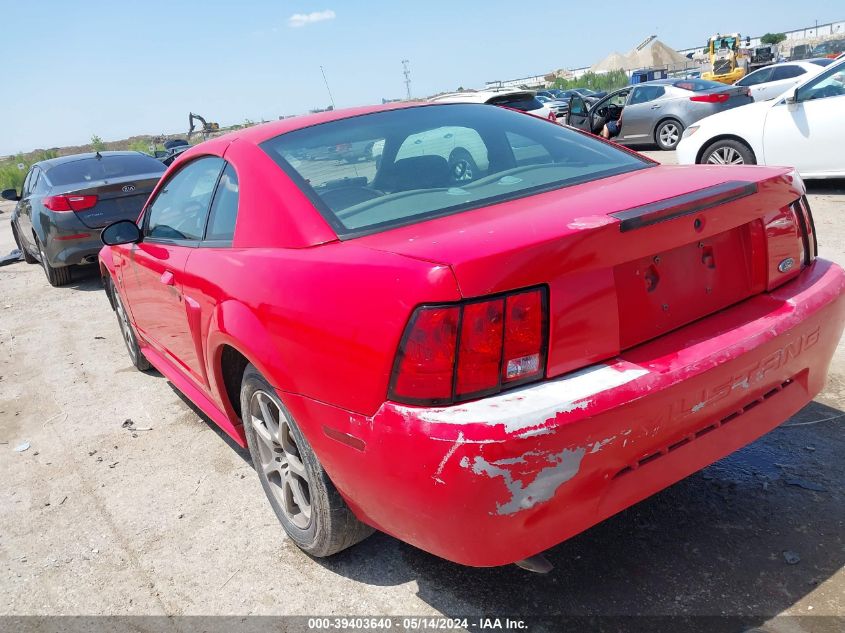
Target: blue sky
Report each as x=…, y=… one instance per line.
x=73, y=69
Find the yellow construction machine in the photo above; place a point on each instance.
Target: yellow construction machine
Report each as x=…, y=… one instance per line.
x=726, y=59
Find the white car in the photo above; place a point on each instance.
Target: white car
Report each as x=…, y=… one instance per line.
x=803, y=127
x=463, y=148
x=524, y=100
x=772, y=81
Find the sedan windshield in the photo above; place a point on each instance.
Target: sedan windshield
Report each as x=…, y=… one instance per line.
x=387, y=169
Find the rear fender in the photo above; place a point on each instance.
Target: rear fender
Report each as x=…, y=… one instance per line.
x=235, y=325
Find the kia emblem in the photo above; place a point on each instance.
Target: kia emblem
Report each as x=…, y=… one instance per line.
x=128, y=188
x=786, y=265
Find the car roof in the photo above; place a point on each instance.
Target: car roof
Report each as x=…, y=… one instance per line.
x=48, y=164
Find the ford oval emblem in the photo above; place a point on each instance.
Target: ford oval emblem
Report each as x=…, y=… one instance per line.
x=128, y=188
x=786, y=265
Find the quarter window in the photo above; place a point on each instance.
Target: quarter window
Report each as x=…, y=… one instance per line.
x=180, y=208
x=224, y=208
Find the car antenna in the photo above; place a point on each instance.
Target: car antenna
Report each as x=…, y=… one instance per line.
x=98, y=155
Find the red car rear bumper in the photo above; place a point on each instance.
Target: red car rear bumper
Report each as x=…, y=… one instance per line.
x=497, y=480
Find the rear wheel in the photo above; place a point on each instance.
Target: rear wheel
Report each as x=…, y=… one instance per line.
x=307, y=504
x=57, y=276
x=728, y=152
x=668, y=134
x=27, y=256
x=128, y=332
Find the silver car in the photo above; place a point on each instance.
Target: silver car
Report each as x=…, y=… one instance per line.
x=656, y=112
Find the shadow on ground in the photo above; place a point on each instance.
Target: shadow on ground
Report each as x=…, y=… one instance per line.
x=749, y=536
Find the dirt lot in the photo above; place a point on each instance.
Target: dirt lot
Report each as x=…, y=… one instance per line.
x=170, y=519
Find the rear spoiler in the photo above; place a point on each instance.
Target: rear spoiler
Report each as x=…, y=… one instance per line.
x=686, y=204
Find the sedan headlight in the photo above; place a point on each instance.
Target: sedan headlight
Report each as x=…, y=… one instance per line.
x=692, y=129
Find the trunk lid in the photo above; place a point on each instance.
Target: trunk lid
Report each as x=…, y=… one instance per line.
x=117, y=198
x=627, y=258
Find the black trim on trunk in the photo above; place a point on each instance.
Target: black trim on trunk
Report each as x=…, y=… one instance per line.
x=686, y=204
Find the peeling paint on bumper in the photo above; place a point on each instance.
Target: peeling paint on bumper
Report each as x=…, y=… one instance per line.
x=500, y=479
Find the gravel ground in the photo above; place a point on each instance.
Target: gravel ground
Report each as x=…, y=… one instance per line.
x=170, y=519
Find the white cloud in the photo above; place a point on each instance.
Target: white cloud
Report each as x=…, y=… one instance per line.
x=302, y=19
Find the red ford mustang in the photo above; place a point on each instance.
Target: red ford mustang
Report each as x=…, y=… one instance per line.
x=470, y=328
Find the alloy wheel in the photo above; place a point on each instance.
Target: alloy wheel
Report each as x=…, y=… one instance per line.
x=725, y=156
x=669, y=135
x=462, y=171
x=281, y=462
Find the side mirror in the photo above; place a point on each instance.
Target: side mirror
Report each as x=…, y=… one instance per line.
x=10, y=194
x=122, y=232
x=792, y=97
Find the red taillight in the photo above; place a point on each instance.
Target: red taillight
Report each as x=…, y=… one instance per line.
x=475, y=348
x=480, y=351
x=719, y=97
x=426, y=361
x=69, y=202
x=523, y=346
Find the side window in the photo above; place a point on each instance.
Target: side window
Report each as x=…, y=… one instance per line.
x=787, y=72
x=180, y=207
x=577, y=106
x=40, y=185
x=831, y=83
x=619, y=99
x=25, y=188
x=644, y=94
x=758, y=77
x=527, y=151
x=33, y=182
x=224, y=208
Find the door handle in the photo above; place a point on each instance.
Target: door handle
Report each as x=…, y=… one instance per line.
x=167, y=278
x=655, y=107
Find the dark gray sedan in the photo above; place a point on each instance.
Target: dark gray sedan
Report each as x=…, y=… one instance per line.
x=67, y=201
x=656, y=111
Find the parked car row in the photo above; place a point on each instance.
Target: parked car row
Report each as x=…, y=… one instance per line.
x=771, y=81
x=65, y=203
x=656, y=111
x=483, y=335
x=801, y=127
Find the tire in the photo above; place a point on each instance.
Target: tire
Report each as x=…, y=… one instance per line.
x=56, y=276
x=728, y=152
x=462, y=167
x=309, y=507
x=668, y=134
x=27, y=256
x=128, y=332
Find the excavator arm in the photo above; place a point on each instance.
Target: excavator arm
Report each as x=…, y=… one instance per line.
x=206, y=129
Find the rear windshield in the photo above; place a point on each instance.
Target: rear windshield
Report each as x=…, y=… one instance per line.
x=91, y=169
x=398, y=167
x=697, y=85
